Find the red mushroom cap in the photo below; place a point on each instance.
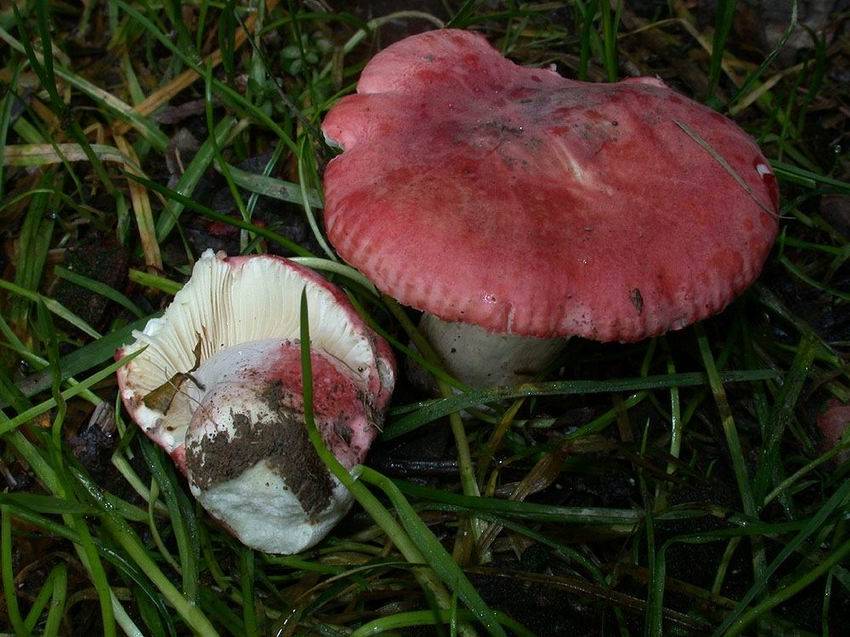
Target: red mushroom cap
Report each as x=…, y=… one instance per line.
x=515, y=199
x=833, y=421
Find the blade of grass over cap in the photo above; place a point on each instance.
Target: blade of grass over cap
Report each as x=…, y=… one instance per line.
x=305, y=159
x=326, y=265
x=415, y=541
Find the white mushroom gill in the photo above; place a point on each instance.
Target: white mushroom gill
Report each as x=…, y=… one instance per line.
x=227, y=305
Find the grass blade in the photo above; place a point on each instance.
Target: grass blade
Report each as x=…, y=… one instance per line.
x=53, y=305
x=190, y=178
x=98, y=288
x=69, y=393
x=724, y=16
x=416, y=542
x=735, y=620
x=428, y=411
x=13, y=610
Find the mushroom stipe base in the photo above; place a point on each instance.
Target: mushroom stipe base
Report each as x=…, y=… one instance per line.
x=480, y=358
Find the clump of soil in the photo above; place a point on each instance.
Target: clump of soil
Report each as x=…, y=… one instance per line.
x=280, y=441
x=98, y=257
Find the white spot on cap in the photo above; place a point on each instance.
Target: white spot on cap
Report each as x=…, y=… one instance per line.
x=510, y=322
x=763, y=169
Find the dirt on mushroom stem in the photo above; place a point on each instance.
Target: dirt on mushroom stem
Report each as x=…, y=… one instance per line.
x=281, y=443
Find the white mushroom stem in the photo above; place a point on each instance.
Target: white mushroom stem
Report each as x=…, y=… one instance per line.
x=482, y=359
x=246, y=452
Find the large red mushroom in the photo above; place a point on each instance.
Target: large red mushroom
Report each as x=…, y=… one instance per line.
x=516, y=207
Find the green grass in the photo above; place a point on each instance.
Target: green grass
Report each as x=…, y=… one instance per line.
x=665, y=487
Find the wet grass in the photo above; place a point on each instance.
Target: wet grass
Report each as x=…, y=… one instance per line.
x=674, y=486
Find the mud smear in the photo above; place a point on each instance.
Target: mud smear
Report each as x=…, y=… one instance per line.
x=281, y=441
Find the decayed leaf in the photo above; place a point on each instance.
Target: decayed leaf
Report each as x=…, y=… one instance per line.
x=43, y=154
x=160, y=399
x=141, y=207
x=541, y=476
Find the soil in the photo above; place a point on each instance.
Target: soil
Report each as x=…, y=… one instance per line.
x=94, y=444
x=99, y=257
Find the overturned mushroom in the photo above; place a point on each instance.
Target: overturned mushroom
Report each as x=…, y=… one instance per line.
x=517, y=207
x=219, y=386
